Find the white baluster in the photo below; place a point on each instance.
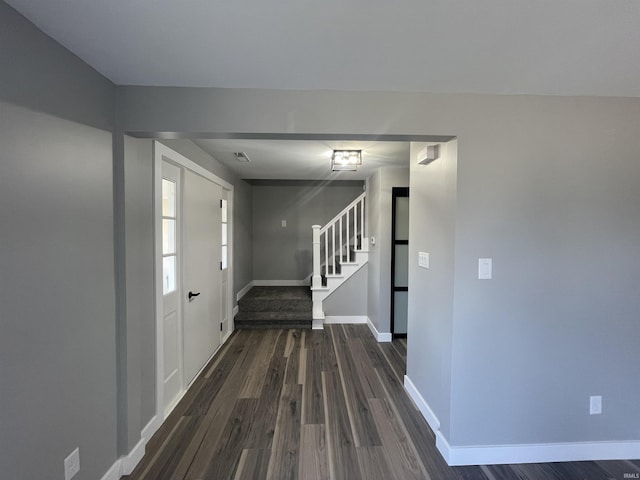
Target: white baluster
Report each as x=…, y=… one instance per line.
x=333, y=241
x=340, y=235
x=348, y=239
x=361, y=224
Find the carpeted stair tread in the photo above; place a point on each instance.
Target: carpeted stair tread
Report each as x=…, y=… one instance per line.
x=275, y=307
x=278, y=293
x=277, y=299
x=248, y=316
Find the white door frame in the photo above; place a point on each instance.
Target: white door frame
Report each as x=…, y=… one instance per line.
x=162, y=152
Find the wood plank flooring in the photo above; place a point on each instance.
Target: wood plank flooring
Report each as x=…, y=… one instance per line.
x=315, y=405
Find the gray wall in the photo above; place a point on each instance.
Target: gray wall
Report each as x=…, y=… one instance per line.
x=242, y=236
x=40, y=74
x=242, y=210
x=559, y=321
x=140, y=296
x=57, y=348
x=432, y=219
x=545, y=185
x=350, y=298
x=379, y=188
x=58, y=340
x=284, y=253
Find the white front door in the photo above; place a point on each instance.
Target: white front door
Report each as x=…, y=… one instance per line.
x=202, y=271
x=171, y=285
x=191, y=257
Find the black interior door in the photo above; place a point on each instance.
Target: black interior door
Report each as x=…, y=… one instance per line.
x=399, y=260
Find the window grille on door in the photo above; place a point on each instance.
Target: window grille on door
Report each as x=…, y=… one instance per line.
x=223, y=257
x=169, y=235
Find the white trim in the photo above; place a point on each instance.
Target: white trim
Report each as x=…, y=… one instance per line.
x=536, y=453
x=157, y=256
x=129, y=462
x=235, y=311
x=244, y=291
x=527, y=453
x=380, y=337
x=317, y=324
x=172, y=156
x=151, y=428
x=281, y=283
x=114, y=472
x=422, y=404
x=343, y=319
x=126, y=464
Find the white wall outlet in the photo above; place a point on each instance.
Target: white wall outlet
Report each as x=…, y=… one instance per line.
x=423, y=259
x=284, y=223
x=72, y=464
x=595, y=404
x=485, y=268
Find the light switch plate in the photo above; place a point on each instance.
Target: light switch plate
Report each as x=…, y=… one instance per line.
x=485, y=268
x=284, y=223
x=423, y=259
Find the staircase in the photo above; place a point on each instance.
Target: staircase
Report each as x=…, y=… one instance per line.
x=274, y=307
x=340, y=249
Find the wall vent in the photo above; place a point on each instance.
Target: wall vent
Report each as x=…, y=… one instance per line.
x=241, y=157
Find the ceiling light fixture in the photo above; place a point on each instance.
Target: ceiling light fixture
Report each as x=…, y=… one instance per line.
x=342, y=160
x=241, y=157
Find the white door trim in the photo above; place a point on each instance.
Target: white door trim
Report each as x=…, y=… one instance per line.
x=162, y=152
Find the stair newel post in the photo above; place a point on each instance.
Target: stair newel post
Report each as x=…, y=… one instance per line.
x=316, y=279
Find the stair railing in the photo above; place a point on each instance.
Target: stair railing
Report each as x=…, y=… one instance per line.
x=336, y=239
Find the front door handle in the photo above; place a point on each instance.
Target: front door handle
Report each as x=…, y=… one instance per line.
x=191, y=295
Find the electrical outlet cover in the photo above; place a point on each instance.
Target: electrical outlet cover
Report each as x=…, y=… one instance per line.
x=72, y=464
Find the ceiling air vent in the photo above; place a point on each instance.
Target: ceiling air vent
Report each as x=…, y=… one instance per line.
x=241, y=157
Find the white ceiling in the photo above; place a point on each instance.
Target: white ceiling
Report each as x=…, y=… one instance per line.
x=566, y=47
x=303, y=159
x=557, y=47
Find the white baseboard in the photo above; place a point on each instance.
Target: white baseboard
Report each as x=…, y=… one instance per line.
x=114, y=472
x=129, y=462
x=380, y=337
x=317, y=324
x=152, y=427
x=126, y=464
x=527, y=453
x=346, y=319
x=236, y=309
x=536, y=453
x=281, y=283
x=243, y=291
x=422, y=404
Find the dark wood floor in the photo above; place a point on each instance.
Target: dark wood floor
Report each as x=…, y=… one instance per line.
x=316, y=404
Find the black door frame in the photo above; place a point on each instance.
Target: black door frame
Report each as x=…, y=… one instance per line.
x=395, y=193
